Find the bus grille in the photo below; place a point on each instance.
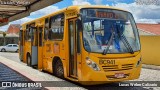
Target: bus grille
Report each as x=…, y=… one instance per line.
x=118, y=68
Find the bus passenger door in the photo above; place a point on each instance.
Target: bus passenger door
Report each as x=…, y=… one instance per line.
x=40, y=47
x=34, y=46
x=73, y=55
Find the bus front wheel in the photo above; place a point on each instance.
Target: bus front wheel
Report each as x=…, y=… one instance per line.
x=58, y=69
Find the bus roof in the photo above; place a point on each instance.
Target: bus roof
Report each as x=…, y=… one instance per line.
x=76, y=7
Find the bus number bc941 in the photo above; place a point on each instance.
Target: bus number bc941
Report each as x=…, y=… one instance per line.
x=107, y=62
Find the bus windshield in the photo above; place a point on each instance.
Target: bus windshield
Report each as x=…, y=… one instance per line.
x=109, y=31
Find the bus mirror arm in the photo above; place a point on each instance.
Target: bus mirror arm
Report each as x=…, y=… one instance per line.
x=79, y=15
x=78, y=30
x=79, y=24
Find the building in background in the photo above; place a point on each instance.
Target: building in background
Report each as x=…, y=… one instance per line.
x=148, y=29
x=13, y=29
x=12, y=35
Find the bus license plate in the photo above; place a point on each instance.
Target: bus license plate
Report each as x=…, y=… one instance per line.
x=119, y=75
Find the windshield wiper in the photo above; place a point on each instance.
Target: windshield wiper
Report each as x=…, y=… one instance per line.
x=125, y=41
x=109, y=42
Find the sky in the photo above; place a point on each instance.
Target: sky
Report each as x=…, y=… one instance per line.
x=142, y=13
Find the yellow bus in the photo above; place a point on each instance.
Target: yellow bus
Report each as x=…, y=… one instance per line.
x=95, y=44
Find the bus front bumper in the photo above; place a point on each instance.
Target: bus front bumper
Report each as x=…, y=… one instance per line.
x=101, y=77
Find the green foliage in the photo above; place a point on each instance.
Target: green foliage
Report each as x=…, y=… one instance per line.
x=4, y=34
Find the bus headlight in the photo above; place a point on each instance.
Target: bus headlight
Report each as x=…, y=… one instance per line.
x=92, y=64
x=139, y=62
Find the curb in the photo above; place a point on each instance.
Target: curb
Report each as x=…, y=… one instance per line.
x=18, y=68
x=154, y=67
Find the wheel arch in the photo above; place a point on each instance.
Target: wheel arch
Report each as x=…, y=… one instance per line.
x=55, y=59
x=28, y=54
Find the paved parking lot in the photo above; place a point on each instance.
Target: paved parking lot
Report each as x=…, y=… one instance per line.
x=11, y=55
x=12, y=60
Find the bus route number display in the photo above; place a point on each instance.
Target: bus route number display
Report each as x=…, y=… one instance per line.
x=102, y=14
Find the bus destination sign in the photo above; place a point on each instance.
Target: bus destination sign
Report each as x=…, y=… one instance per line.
x=103, y=14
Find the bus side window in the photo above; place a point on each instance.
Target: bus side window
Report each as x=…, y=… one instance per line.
x=49, y=34
x=27, y=33
x=57, y=27
x=46, y=29
x=40, y=36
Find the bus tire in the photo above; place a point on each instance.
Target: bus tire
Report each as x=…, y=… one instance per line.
x=28, y=60
x=58, y=69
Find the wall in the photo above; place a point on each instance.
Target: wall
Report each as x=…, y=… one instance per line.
x=150, y=46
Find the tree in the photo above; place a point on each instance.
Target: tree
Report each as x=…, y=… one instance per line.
x=4, y=38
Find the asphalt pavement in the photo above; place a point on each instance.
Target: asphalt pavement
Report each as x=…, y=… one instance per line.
x=12, y=59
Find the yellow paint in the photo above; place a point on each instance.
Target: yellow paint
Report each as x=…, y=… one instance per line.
x=49, y=51
x=150, y=49
x=71, y=14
